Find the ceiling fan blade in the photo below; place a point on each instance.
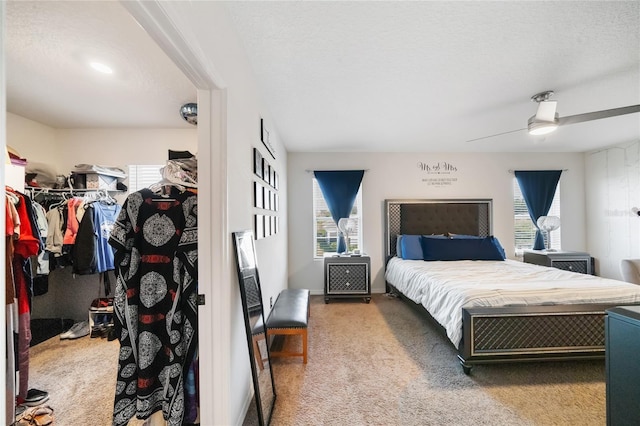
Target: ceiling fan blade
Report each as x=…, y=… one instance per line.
x=497, y=134
x=596, y=115
x=546, y=111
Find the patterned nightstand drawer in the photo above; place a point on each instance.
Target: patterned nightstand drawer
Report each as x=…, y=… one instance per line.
x=566, y=260
x=347, y=277
x=581, y=266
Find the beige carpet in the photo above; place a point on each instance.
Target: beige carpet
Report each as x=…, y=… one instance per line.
x=382, y=364
x=80, y=376
x=369, y=364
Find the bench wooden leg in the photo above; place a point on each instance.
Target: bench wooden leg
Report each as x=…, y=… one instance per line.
x=304, y=346
x=302, y=332
x=256, y=350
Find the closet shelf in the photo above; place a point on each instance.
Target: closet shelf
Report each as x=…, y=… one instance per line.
x=63, y=190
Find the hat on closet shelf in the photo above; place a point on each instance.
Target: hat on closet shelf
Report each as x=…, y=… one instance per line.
x=14, y=157
x=45, y=174
x=177, y=155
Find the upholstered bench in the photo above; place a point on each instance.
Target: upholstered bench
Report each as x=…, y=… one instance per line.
x=290, y=315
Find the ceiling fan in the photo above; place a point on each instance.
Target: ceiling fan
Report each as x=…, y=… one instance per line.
x=547, y=119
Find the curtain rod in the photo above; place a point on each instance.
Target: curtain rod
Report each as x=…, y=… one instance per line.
x=338, y=170
x=511, y=170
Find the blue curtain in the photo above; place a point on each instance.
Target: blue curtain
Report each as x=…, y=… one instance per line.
x=339, y=189
x=538, y=188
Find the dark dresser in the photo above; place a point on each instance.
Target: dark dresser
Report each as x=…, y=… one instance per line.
x=347, y=277
x=574, y=261
x=622, y=361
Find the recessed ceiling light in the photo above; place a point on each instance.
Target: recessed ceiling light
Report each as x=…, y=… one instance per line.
x=101, y=67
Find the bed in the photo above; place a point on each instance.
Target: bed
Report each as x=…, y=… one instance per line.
x=494, y=310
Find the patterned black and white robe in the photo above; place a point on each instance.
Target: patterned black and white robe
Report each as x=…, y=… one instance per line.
x=155, y=242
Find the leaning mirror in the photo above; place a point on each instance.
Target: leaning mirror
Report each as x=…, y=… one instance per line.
x=264, y=388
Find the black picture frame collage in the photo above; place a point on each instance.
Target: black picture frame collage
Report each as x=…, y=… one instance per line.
x=265, y=197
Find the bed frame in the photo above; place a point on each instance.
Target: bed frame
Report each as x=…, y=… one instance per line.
x=504, y=334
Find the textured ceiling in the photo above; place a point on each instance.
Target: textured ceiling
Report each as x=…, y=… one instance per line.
x=350, y=76
x=48, y=45
x=425, y=76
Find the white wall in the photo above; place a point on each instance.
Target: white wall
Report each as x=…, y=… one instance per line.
x=69, y=296
x=398, y=176
x=34, y=141
x=215, y=37
x=612, y=182
x=121, y=147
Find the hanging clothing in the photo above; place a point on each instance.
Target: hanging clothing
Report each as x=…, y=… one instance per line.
x=72, y=222
x=84, y=253
x=43, y=228
x=104, y=219
x=54, y=233
x=155, y=304
x=12, y=232
x=91, y=252
x=27, y=244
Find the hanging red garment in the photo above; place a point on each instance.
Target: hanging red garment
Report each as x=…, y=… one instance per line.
x=27, y=244
x=11, y=232
x=72, y=221
x=24, y=327
x=12, y=219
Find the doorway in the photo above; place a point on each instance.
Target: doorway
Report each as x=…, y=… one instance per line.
x=211, y=156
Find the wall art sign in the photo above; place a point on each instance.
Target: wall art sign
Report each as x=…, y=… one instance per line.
x=440, y=173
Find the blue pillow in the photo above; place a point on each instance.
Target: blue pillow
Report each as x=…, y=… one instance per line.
x=475, y=237
x=485, y=248
x=399, y=246
x=410, y=246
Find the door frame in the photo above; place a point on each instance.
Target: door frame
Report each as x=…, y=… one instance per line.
x=213, y=274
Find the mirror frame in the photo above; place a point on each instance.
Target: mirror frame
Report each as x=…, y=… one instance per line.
x=247, y=267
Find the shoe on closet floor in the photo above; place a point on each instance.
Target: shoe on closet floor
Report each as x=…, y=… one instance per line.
x=20, y=409
x=77, y=330
x=34, y=397
x=76, y=326
x=98, y=330
x=111, y=332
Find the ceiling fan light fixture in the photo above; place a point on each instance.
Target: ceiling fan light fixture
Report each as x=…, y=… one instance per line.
x=539, y=127
x=546, y=119
x=189, y=113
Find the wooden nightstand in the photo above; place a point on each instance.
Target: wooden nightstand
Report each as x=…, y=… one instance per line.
x=574, y=261
x=347, y=277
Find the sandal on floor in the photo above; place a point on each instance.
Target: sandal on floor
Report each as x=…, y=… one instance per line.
x=37, y=416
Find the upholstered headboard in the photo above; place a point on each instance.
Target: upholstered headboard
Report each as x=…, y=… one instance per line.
x=425, y=217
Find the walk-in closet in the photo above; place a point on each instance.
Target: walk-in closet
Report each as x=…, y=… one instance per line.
x=110, y=162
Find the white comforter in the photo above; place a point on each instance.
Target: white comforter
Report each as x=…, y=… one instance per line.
x=443, y=288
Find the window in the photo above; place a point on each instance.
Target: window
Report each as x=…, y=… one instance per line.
x=143, y=176
x=325, y=231
x=525, y=230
